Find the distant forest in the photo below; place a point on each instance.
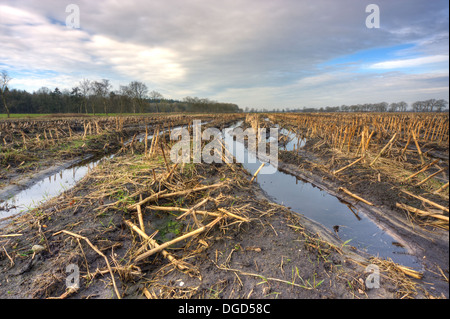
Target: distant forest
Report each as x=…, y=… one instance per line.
x=431, y=105
x=94, y=97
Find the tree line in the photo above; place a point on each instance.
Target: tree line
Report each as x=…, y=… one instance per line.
x=94, y=97
x=431, y=105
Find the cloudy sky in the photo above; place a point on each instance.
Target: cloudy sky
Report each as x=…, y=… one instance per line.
x=255, y=53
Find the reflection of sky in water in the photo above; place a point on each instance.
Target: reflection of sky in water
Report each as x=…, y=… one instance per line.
x=283, y=188
x=306, y=199
x=45, y=189
x=53, y=185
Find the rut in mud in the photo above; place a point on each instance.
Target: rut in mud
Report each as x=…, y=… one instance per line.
x=249, y=247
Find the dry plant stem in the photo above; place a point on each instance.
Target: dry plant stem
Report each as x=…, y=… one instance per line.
x=384, y=148
x=9, y=257
x=154, y=244
x=232, y=215
x=422, y=170
x=418, y=147
x=192, y=209
x=164, y=156
x=421, y=212
x=407, y=144
x=442, y=188
x=351, y=164
x=161, y=195
x=176, y=240
x=265, y=278
x=355, y=196
x=171, y=171
x=141, y=220
x=431, y=176
x=179, y=209
x=256, y=173
x=146, y=200
x=66, y=294
x=98, y=252
x=426, y=201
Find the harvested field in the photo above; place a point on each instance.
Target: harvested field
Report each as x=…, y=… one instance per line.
x=139, y=226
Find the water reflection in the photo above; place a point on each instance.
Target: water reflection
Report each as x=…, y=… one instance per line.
x=346, y=221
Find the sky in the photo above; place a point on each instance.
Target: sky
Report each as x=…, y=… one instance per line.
x=255, y=53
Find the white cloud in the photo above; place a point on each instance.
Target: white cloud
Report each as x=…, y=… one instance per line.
x=250, y=52
x=141, y=62
x=408, y=63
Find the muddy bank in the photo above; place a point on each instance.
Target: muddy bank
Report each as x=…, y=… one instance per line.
x=262, y=250
x=25, y=185
x=429, y=244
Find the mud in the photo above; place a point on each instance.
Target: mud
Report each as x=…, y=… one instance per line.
x=278, y=254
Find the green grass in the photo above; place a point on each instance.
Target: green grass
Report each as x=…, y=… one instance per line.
x=47, y=115
x=16, y=116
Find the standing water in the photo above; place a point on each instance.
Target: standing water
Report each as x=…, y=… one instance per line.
x=351, y=226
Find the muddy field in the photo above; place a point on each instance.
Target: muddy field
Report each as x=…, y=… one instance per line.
x=139, y=226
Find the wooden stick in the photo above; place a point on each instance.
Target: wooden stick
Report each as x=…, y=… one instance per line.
x=256, y=173
x=434, y=174
x=178, y=239
x=98, y=252
x=426, y=200
x=345, y=167
x=421, y=212
x=355, y=196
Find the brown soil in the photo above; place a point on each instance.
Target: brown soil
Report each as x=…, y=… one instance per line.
x=275, y=254
x=382, y=185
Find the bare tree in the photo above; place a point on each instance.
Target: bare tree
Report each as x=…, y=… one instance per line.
x=156, y=96
x=85, y=88
x=441, y=105
x=402, y=106
x=124, y=95
x=138, y=92
x=101, y=90
x=393, y=107
x=4, y=79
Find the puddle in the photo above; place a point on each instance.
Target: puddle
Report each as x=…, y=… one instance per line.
x=55, y=184
x=47, y=188
x=343, y=219
x=302, y=197
x=293, y=143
